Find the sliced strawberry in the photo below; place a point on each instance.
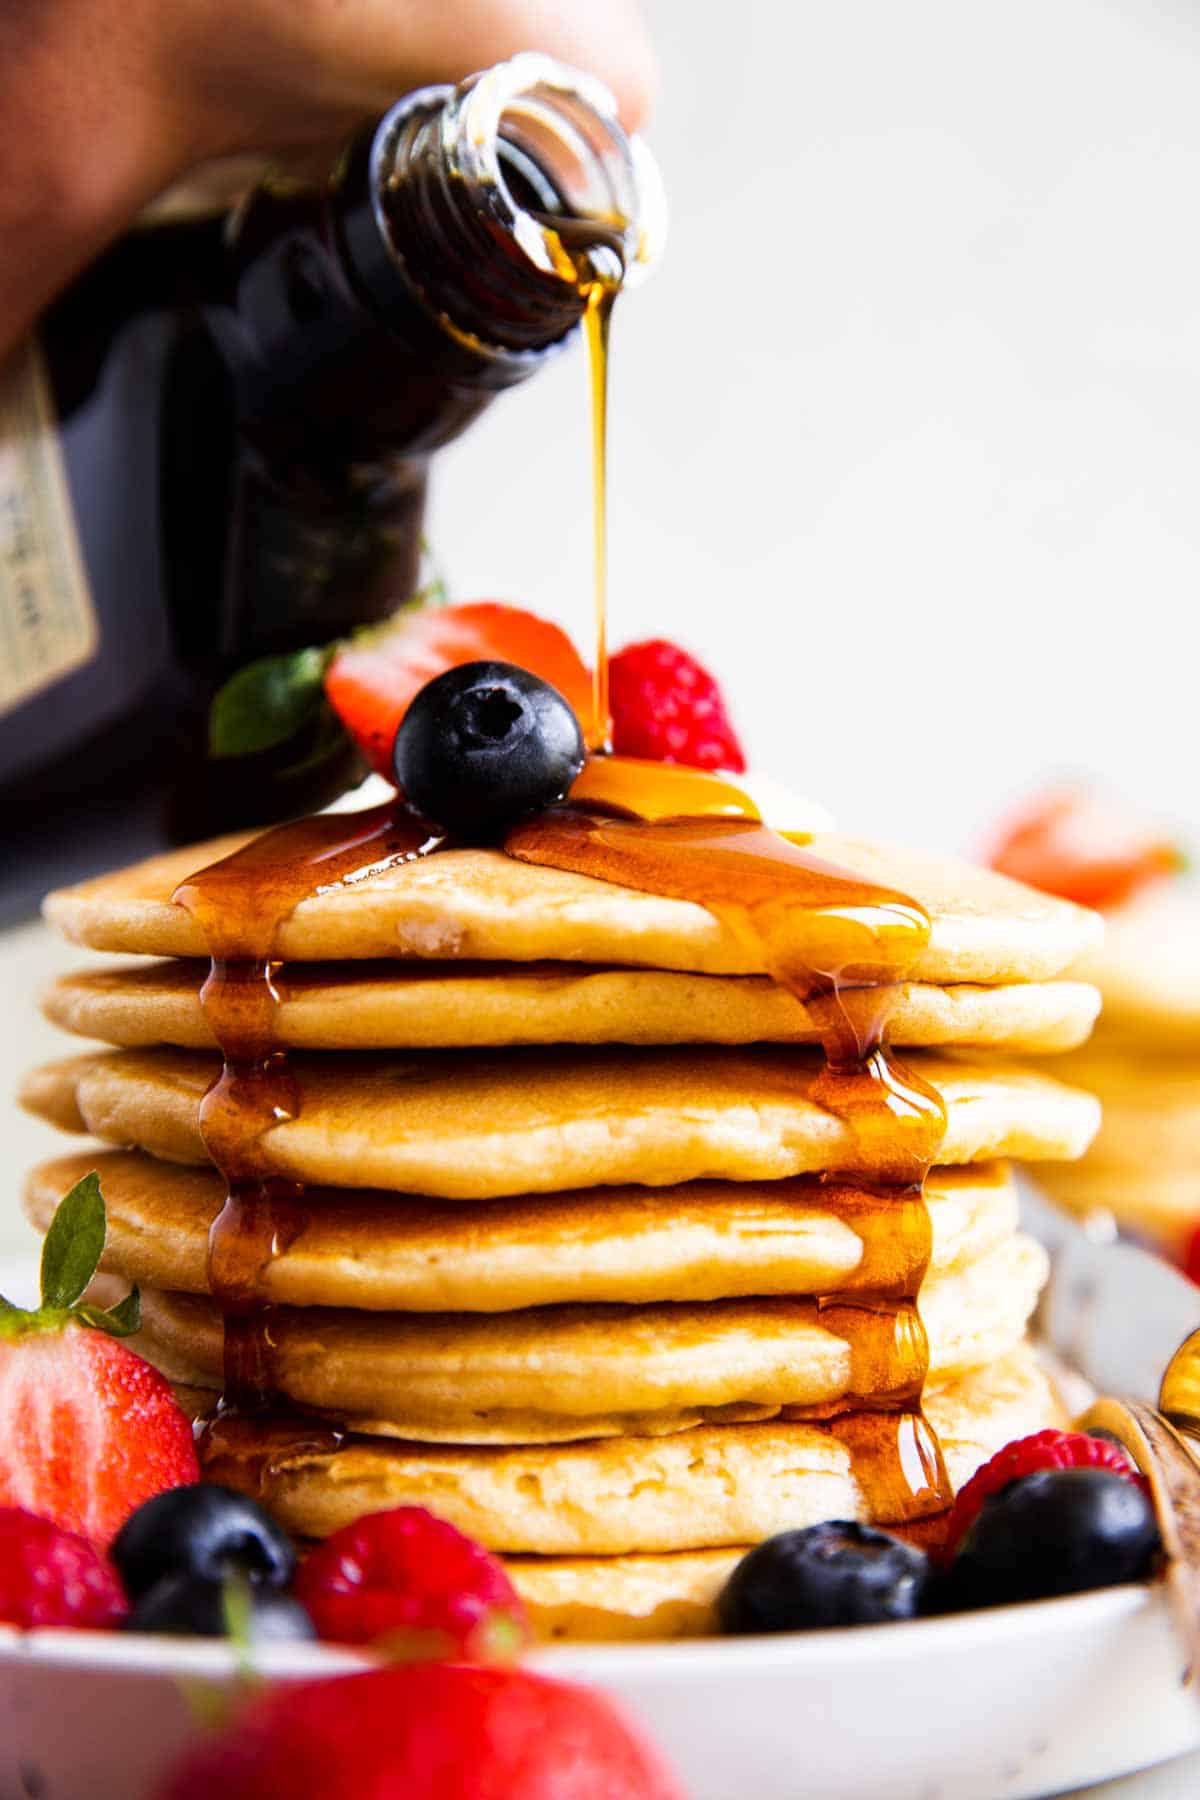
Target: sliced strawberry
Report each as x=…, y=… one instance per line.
x=1073, y=842
x=88, y=1429
x=372, y=679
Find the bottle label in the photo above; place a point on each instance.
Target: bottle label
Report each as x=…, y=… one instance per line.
x=48, y=624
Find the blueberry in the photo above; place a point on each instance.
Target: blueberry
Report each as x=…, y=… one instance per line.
x=202, y=1530
x=484, y=746
x=839, y=1573
x=1059, y=1531
x=188, y=1605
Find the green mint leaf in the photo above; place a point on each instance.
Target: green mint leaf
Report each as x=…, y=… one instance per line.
x=267, y=702
x=118, y=1321
x=74, y=1244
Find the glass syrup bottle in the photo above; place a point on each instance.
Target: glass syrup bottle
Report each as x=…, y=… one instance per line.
x=217, y=446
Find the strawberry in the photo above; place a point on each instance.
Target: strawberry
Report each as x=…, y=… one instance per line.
x=1072, y=842
x=54, y=1577
x=372, y=679
x=88, y=1430
x=666, y=707
x=1045, y=1450
x=407, y=1575
x=431, y=1731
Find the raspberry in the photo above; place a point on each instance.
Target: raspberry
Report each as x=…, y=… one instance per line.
x=1045, y=1450
x=407, y=1575
x=667, y=708
x=53, y=1577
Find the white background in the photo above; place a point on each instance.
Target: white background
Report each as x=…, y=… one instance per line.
x=907, y=424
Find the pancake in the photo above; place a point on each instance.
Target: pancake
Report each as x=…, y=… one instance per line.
x=382, y=1252
x=1148, y=967
x=465, y=1125
x=377, y=1006
x=482, y=905
x=1151, y=1103
x=553, y=1373
x=601, y=1599
x=699, y=1489
x=1144, y=1165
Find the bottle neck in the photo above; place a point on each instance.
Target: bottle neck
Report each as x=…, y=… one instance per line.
x=499, y=204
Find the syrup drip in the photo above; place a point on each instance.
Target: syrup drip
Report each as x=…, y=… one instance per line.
x=821, y=931
x=240, y=904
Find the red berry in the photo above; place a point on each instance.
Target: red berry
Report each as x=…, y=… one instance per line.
x=431, y=1731
x=1191, y=1256
x=88, y=1430
x=1045, y=1450
x=54, y=1577
x=667, y=708
x=372, y=679
x=407, y=1574
x=1080, y=844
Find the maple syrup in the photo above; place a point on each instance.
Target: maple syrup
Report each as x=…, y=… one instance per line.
x=818, y=930
x=239, y=904
x=813, y=926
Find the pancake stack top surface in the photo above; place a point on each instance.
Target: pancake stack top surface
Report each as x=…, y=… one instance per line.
x=1144, y=1065
x=624, y=1195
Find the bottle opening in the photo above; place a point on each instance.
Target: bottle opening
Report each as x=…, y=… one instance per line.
x=546, y=141
x=507, y=199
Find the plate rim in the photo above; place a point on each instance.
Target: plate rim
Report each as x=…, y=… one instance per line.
x=67, y=1646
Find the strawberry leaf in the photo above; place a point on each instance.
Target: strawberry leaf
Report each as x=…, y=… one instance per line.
x=15, y=1321
x=267, y=702
x=118, y=1321
x=237, y=1606
x=74, y=1244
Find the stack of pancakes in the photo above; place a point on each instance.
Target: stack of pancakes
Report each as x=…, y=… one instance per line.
x=1144, y=1065
x=568, y=1197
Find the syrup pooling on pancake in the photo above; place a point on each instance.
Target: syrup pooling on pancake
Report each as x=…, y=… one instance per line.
x=240, y=904
x=818, y=928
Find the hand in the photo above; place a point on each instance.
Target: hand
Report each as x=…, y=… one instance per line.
x=103, y=103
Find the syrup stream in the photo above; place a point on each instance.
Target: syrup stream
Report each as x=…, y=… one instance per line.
x=597, y=321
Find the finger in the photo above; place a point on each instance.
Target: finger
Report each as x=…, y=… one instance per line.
x=296, y=71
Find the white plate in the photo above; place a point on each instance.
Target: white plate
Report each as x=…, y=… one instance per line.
x=1018, y=1702
x=1022, y=1701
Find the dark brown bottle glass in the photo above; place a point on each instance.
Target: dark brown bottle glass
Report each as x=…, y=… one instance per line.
x=245, y=408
